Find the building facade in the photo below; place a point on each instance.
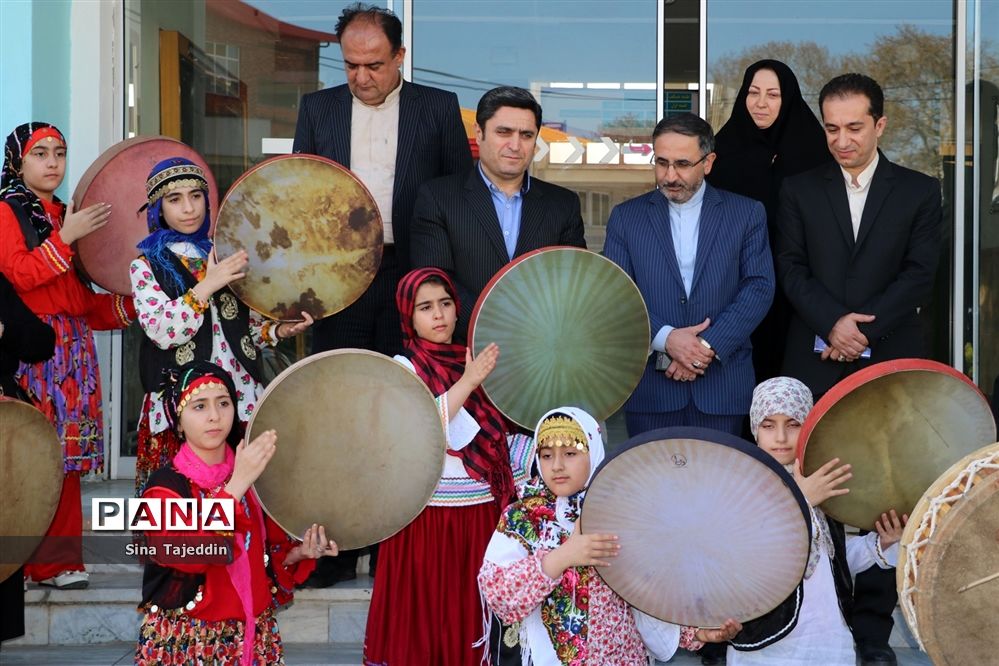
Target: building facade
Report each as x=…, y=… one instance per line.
x=226, y=76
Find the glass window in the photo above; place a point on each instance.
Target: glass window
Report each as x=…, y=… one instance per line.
x=982, y=188
x=226, y=77
x=906, y=46
x=591, y=65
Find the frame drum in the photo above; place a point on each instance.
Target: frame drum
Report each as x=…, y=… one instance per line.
x=360, y=447
x=31, y=473
x=900, y=424
x=710, y=526
x=118, y=177
x=948, y=572
x=572, y=329
x=313, y=233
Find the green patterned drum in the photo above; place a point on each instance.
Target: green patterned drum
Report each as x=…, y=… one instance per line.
x=572, y=329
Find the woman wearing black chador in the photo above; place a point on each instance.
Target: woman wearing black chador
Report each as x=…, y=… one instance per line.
x=772, y=134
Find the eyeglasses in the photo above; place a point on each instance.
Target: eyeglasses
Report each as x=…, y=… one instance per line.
x=678, y=165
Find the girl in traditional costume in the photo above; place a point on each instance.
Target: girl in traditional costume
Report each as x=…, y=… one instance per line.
x=425, y=606
x=540, y=572
x=186, y=308
x=36, y=234
x=201, y=609
x=810, y=627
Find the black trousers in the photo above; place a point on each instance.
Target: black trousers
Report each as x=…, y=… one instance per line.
x=874, y=599
x=371, y=322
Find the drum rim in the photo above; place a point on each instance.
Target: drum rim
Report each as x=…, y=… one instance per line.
x=516, y=261
x=380, y=250
x=93, y=171
x=57, y=482
x=869, y=374
x=321, y=355
x=714, y=437
x=719, y=438
x=905, y=571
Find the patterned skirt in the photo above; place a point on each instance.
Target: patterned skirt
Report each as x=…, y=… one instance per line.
x=173, y=638
x=67, y=389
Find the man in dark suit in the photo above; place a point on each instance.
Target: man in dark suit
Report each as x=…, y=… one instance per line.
x=473, y=223
x=701, y=258
x=857, y=250
x=393, y=135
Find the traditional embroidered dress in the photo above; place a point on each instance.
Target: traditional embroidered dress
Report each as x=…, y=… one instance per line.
x=67, y=387
x=172, y=317
x=576, y=619
x=212, y=613
x=425, y=606
x=810, y=626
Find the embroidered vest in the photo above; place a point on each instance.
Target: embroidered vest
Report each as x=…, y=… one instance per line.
x=235, y=328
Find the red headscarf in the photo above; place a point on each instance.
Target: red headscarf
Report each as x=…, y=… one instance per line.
x=440, y=366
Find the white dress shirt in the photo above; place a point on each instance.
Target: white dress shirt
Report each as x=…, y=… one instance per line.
x=374, y=139
x=684, y=226
x=857, y=193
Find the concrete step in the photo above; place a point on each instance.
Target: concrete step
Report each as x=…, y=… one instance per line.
x=106, y=612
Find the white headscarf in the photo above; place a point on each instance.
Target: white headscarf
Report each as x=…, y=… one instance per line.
x=567, y=508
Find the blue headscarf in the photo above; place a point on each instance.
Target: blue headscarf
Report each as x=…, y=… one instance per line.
x=166, y=176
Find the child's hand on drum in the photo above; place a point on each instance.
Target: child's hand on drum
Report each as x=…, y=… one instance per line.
x=822, y=483
x=251, y=460
x=218, y=274
x=581, y=550
x=722, y=634
x=890, y=528
x=289, y=329
x=314, y=545
x=478, y=368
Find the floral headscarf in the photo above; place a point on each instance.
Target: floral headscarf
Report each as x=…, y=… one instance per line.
x=543, y=521
x=780, y=395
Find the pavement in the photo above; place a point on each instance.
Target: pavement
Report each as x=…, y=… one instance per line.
x=296, y=654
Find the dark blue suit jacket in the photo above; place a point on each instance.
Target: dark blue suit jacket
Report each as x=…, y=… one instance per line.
x=733, y=285
x=432, y=143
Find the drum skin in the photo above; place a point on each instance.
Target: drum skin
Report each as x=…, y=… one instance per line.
x=118, y=177
x=572, y=329
x=710, y=526
x=955, y=587
x=900, y=424
x=312, y=231
x=31, y=472
x=360, y=446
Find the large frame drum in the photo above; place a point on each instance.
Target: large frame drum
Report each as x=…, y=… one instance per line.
x=313, y=233
x=948, y=572
x=572, y=329
x=360, y=446
x=710, y=526
x=118, y=177
x=900, y=424
x=31, y=473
